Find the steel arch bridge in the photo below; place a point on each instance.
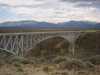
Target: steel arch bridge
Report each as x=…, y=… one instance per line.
x=19, y=43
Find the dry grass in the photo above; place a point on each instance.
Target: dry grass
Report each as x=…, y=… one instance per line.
x=47, y=69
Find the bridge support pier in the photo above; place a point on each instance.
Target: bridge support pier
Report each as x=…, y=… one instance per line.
x=72, y=49
x=71, y=38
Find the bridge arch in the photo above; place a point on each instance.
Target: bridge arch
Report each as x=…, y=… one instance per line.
x=87, y=45
x=53, y=45
x=49, y=37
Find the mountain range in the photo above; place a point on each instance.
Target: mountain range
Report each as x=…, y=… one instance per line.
x=46, y=25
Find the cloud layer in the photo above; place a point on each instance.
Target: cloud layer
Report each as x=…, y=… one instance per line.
x=50, y=11
x=85, y=3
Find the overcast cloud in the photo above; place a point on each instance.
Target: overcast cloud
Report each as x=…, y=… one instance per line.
x=50, y=10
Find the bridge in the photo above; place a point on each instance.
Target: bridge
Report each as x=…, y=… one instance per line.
x=20, y=43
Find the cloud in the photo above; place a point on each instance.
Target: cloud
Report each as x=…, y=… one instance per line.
x=48, y=10
x=80, y=0
x=20, y=3
x=84, y=3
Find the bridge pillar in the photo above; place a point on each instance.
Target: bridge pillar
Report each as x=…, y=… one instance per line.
x=72, y=48
x=72, y=37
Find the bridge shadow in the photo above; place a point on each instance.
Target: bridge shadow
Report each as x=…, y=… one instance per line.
x=50, y=49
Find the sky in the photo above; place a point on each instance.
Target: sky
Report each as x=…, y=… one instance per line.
x=53, y=11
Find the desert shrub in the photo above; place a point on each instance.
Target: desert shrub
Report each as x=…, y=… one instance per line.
x=17, y=64
x=1, y=63
x=19, y=69
x=46, y=69
x=59, y=59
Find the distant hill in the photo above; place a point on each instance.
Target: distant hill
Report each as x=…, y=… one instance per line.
x=46, y=25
